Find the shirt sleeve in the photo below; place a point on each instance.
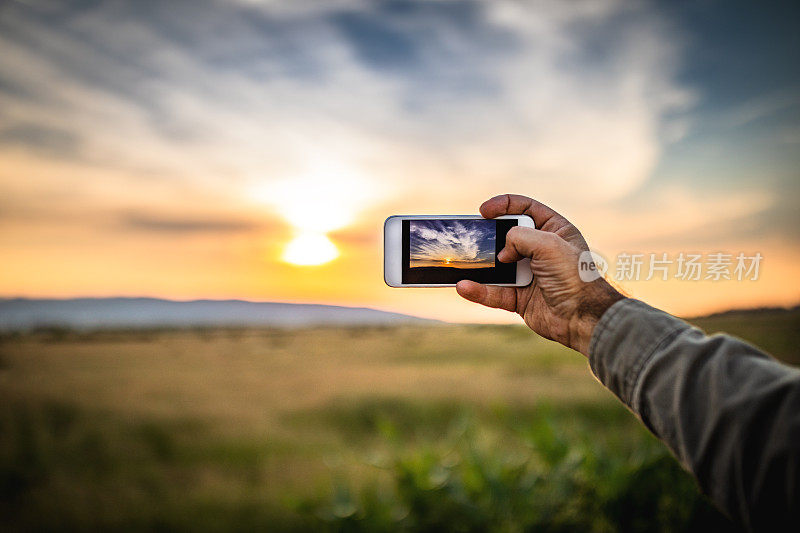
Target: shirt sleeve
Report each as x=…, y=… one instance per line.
x=729, y=412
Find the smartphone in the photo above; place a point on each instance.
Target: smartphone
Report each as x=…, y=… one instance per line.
x=441, y=250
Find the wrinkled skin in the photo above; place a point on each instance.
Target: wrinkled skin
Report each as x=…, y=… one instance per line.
x=557, y=304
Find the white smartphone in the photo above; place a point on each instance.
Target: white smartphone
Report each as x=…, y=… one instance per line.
x=441, y=250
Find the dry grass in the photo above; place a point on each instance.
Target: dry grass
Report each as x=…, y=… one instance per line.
x=246, y=380
x=218, y=429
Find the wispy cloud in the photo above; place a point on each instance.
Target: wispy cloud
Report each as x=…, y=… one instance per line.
x=452, y=241
x=463, y=91
x=162, y=121
x=175, y=224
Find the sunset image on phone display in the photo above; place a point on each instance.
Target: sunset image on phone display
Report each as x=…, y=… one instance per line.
x=452, y=244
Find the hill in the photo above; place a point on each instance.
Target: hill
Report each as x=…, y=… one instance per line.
x=773, y=329
x=93, y=313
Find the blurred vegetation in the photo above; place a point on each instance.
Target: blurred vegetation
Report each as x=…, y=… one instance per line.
x=541, y=477
x=774, y=330
x=452, y=428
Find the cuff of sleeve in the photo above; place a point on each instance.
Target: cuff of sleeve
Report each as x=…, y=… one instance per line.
x=624, y=340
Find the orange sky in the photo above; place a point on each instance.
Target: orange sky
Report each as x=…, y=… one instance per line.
x=135, y=163
x=445, y=262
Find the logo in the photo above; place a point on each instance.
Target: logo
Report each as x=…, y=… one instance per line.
x=591, y=266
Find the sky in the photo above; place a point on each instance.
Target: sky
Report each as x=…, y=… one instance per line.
x=458, y=243
x=221, y=148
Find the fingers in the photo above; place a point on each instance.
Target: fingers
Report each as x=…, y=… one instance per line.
x=488, y=295
x=516, y=204
x=526, y=242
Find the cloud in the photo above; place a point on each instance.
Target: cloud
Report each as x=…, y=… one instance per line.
x=56, y=141
x=474, y=95
x=759, y=108
x=678, y=216
x=460, y=241
x=177, y=224
x=128, y=123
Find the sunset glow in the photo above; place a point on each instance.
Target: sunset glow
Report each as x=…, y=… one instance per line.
x=310, y=249
x=259, y=160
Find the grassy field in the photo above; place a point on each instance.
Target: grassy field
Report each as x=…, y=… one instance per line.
x=468, y=428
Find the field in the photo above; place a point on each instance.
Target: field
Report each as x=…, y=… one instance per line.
x=443, y=274
x=420, y=428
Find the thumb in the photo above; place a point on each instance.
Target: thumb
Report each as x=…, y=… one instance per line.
x=526, y=242
x=488, y=295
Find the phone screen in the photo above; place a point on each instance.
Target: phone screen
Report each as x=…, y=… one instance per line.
x=445, y=251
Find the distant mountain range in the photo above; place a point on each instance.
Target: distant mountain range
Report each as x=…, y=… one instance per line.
x=108, y=313
x=104, y=313
x=752, y=311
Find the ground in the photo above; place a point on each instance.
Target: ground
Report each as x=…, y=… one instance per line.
x=363, y=428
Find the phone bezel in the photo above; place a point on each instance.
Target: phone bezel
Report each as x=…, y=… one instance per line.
x=393, y=250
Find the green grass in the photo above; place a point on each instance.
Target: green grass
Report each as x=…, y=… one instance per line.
x=61, y=468
x=401, y=465
x=540, y=478
x=446, y=428
x=775, y=330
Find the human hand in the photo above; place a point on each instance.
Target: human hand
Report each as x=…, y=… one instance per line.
x=557, y=305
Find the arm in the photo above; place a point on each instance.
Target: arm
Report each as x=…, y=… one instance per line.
x=730, y=413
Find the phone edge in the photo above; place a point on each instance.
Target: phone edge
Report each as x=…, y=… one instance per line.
x=522, y=264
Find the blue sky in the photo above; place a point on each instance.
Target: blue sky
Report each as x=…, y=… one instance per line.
x=457, y=241
x=178, y=148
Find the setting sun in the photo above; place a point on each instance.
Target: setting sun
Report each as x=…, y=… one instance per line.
x=310, y=249
x=327, y=196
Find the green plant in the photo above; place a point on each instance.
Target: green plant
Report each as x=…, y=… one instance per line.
x=540, y=477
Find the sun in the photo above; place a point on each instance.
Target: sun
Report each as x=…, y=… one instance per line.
x=326, y=197
x=310, y=249
x=447, y=260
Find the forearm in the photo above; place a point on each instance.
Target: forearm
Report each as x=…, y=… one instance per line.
x=730, y=413
x=595, y=299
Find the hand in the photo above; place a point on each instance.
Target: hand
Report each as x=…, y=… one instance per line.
x=557, y=304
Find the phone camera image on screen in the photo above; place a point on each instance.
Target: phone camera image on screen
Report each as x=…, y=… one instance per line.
x=449, y=250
